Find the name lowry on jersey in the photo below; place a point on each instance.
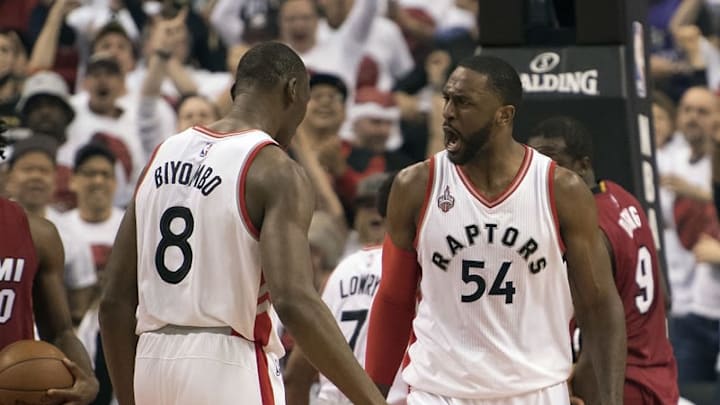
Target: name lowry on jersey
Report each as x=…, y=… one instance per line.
x=187, y=174
x=508, y=237
x=365, y=284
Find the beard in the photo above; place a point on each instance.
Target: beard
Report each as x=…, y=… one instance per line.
x=470, y=145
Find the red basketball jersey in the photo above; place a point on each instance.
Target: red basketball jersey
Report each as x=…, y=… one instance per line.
x=650, y=360
x=18, y=265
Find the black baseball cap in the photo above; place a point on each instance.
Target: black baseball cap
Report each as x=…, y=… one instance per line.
x=330, y=80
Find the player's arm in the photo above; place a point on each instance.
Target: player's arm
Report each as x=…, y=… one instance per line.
x=282, y=203
x=117, y=310
x=52, y=314
x=393, y=308
x=299, y=377
x=598, y=308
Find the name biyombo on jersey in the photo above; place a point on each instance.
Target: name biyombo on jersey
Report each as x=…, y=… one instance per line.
x=507, y=237
x=186, y=174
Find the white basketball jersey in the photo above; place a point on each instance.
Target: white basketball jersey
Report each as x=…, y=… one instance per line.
x=495, y=303
x=349, y=293
x=198, y=252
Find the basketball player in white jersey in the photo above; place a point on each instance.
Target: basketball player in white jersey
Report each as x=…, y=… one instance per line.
x=214, y=242
x=482, y=231
x=348, y=293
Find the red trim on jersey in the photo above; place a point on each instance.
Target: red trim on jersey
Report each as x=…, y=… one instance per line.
x=145, y=170
x=217, y=134
x=241, y=189
x=266, y=391
x=392, y=313
x=492, y=202
x=371, y=247
x=263, y=323
x=426, y=202
x=553, y=206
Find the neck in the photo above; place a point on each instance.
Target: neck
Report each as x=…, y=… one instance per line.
x=36, y=210
x=100, y=109
x=94, y=215
x=303, y=46
x=249, y=112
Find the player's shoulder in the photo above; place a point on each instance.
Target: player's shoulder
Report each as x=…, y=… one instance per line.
x=42, y=230
x=355, y=263
x=414, y=176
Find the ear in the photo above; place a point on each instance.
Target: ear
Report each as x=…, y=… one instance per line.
x=72, y=185
x=232, y=91
x=505, y=115
x=584, y=165
x=291, y=91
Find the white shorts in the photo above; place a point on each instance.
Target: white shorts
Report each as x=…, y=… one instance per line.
x=205, y=368
x=555, y=395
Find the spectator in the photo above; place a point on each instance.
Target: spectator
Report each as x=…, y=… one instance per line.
x=96, y=222
x=10, y=82
x=368, y=224
x=386, y=55
x=245, y=21
x=339, y=54
x=100, y=117
x=195, y=110
x=45, y=110
x=30, y=183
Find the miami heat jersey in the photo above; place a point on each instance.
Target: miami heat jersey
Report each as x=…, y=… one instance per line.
x=493, y=317
x=198, y=251
x=18, y=266
x=349, y=293
x=650, y=360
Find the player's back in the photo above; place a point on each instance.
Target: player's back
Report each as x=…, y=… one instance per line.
x=198, y=251
x=349, y=293
x=650, y=359
x=18, y=266
x=492, y=319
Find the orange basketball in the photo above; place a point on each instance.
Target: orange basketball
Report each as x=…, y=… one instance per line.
x=28, y=368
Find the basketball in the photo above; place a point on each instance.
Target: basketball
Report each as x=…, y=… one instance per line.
x=28, y=368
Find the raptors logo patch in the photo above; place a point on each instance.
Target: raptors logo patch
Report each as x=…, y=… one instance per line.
x=446, y=201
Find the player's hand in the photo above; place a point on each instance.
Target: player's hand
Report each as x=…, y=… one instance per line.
x=83, y=391
x=707, y=249
x=576, y=401
x=678, y=185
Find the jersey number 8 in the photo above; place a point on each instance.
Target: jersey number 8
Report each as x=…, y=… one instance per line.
x=178, y=240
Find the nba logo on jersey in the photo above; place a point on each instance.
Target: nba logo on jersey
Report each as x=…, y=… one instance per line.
x=204, y=151
x=446, y=200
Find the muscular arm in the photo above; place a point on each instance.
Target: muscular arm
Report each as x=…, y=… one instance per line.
x=299, y=376
x=52, y=314
x=394, y=304
x=598, y=308
x=117, y=310
x=283, y=207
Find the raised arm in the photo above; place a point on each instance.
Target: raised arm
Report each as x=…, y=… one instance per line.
x=117, y=310
x=45, y=48
x=598, y=308
x=52, y=314
x=394, y=304
x=358, y=23
x=282, y=204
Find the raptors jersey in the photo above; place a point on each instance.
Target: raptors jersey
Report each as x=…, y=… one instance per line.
x=198, y=251
x=495, y=307
x=18, y=266
x=349, y=293
x=650, y=360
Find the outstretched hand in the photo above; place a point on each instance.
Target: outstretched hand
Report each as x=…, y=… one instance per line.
x=83, y=391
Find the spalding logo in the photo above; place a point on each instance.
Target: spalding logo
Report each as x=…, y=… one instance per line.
x=544, y=62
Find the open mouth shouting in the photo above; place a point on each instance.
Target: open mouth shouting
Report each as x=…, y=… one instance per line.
x=452, y=139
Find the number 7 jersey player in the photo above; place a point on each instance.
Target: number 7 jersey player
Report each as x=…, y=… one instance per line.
x=482, y=229
x=651, y=376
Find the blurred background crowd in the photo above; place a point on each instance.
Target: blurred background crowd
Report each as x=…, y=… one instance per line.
x=90, y=87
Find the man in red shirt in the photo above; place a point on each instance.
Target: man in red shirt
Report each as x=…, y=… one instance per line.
x=651, y=374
